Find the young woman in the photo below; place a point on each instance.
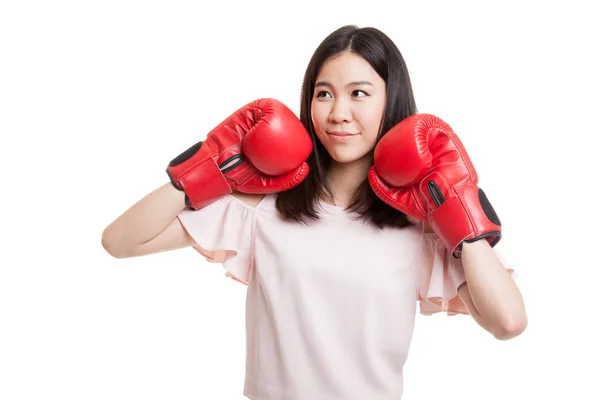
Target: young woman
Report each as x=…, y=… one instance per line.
x=340, y=223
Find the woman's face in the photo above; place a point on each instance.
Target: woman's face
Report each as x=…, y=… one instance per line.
x=347, y=106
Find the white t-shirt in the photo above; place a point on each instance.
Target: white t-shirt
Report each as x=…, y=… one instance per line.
x=330, y=307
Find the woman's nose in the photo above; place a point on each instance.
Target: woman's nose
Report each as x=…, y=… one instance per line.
x=340, y=112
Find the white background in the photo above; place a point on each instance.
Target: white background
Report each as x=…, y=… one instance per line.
x=97, y=97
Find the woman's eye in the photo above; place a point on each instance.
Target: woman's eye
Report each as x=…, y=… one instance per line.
x=361, y=91
x=355, y=93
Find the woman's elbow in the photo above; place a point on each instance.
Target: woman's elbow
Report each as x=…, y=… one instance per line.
x=111, y=246
x=511, y=328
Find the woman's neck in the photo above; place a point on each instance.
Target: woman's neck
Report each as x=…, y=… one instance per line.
x=344, y=179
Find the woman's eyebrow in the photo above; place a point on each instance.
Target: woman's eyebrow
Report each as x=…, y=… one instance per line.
x=356, y=83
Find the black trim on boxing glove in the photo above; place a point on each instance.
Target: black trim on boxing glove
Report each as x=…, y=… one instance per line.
x=186, y=155
x=487, y=208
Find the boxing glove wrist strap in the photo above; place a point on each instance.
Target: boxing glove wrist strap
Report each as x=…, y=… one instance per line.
x=468, y=217
x=202, y=184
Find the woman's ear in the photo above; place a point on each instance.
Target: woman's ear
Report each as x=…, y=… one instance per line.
x=412, y=220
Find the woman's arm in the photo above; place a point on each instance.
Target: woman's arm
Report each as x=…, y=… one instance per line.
x=490, y=294
x=149, y=226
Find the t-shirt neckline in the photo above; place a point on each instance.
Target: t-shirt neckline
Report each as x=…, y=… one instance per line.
x=331, y=209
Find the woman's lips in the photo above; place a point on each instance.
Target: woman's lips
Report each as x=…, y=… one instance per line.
x=341, y=136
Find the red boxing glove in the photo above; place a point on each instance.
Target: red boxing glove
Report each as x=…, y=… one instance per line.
x=422, y=169
x=259, y=149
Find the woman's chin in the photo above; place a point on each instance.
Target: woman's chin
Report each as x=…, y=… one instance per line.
x=345, y=157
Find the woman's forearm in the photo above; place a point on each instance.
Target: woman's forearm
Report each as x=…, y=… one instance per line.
x=144, y=220
x=494, y=293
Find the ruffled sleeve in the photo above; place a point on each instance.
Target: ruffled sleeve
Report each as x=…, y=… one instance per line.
x=439, y=278
x=223, y=234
